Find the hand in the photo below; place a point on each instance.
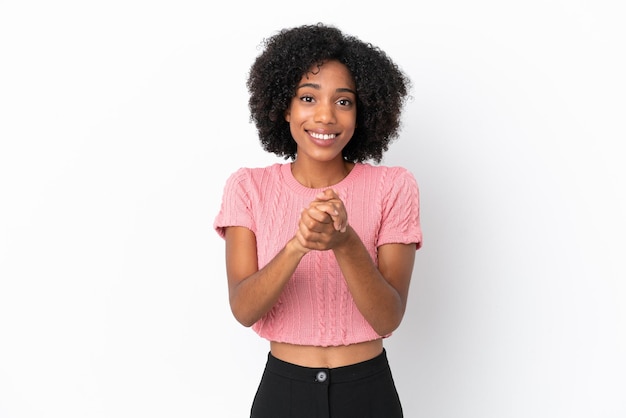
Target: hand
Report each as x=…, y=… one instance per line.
x=329, y=202
x=323, y=223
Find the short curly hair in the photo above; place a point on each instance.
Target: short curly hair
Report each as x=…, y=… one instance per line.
x=381, y=88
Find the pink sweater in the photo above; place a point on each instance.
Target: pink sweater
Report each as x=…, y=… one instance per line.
x=316, y=307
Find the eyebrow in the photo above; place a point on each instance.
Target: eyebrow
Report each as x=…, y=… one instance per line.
x=318, y=87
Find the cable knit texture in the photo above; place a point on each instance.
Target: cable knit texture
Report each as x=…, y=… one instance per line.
x=316, y=307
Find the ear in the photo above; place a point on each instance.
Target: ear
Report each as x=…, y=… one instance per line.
x=288, y=115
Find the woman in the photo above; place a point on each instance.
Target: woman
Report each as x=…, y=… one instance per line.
x=320, y=250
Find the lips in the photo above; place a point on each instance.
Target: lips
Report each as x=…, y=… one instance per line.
x=323, y=140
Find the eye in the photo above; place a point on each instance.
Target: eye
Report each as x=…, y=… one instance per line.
x=306, y=99
x=344, y=102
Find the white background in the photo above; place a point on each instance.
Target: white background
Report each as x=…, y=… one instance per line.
x=120, y=121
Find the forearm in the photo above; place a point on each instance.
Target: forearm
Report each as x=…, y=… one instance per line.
x=377, y=300
x=256, y=294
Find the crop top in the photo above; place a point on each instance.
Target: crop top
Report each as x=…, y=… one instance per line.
x=315, y=307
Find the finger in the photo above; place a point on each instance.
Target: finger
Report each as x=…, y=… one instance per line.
x=331, y=208
x=337, y=212
x=311, y=239
x=338, y=217
x=327, y=194
x=317, y=215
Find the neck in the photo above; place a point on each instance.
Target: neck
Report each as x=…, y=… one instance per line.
x=317, y=175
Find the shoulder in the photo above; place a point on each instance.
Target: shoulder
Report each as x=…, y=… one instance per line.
x=393, y=184
x=386, y=174
x=254, y=174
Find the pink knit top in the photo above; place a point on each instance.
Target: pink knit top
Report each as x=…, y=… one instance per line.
x=316, y=307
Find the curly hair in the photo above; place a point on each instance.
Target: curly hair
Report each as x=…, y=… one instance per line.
x=381, y=88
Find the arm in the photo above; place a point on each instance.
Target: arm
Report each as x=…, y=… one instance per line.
x=380, y=293
x=253, y=292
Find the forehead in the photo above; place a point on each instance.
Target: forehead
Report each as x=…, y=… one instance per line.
x=329, y=72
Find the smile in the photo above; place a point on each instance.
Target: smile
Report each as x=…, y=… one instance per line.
x=323, y=137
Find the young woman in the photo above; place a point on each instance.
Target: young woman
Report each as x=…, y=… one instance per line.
x=320, y=250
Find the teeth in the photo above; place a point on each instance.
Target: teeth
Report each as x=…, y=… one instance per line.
x=325, y=137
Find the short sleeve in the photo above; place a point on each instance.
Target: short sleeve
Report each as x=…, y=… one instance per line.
x=236, y=209
x=401, y=210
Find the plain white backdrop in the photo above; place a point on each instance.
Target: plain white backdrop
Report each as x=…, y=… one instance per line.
x=121, y=120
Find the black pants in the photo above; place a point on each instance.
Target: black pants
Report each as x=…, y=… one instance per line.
x=362, y=390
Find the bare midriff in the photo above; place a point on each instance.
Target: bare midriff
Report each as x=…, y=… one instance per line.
x=327, y=357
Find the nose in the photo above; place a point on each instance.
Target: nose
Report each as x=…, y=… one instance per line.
x=325, y=113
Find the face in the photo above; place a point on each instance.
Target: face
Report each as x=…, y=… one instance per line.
x=322, y=114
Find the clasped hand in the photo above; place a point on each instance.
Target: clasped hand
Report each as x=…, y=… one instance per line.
x=323, y=224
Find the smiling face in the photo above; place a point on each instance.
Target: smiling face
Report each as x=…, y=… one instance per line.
x=322, y=114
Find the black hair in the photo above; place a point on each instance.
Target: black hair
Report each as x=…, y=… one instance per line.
x=381, y=88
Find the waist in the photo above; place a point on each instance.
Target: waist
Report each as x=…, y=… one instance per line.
x=326, y=357
x=348, y=373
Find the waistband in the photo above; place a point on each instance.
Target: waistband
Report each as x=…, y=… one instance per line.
x=320, y=374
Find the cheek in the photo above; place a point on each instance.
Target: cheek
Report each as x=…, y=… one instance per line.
x=294, y=131
x=349, y=120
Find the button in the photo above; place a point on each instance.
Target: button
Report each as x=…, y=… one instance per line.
x=321, y=376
